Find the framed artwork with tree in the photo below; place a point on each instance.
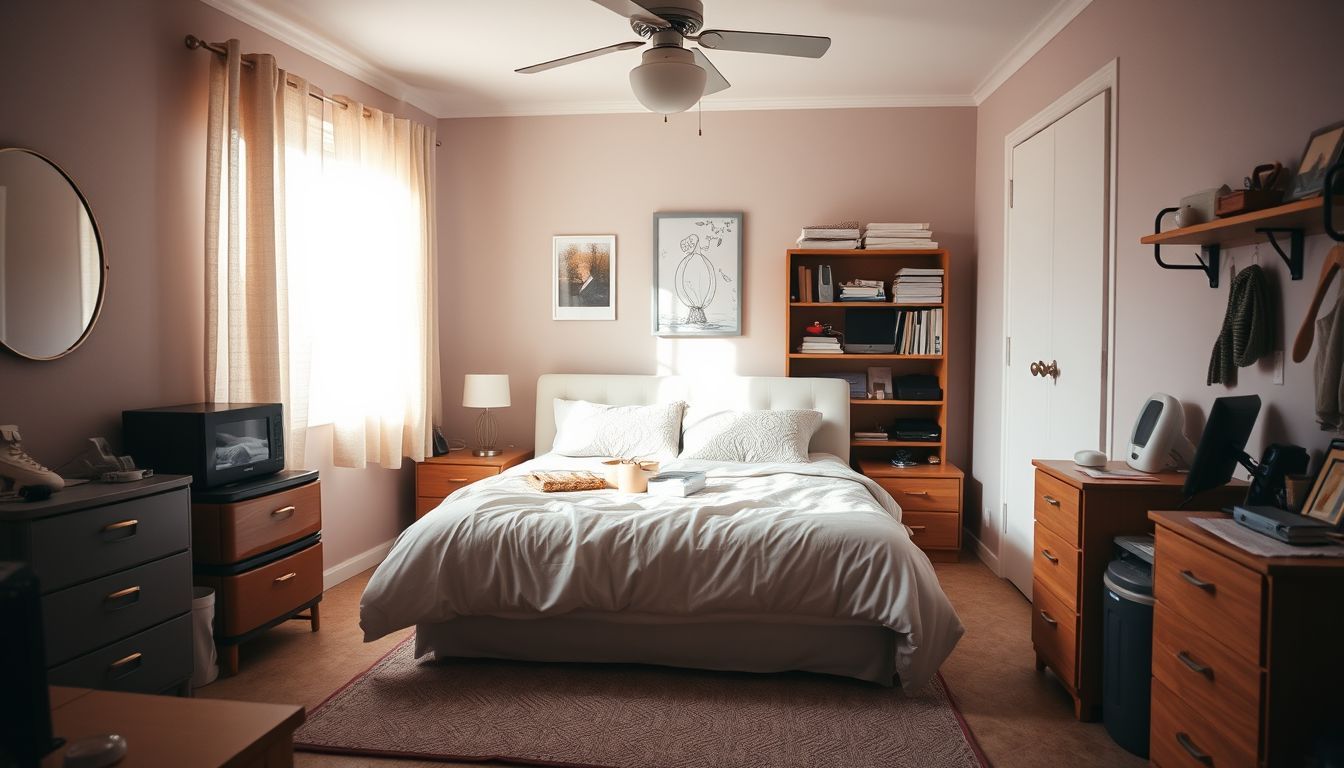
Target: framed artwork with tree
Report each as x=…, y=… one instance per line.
x=697, y=274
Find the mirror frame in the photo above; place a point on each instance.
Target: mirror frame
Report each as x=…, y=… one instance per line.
x=102, y=260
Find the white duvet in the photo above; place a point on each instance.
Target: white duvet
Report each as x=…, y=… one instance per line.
x=801, y=543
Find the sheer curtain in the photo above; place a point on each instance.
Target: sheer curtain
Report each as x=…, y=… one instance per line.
x=320, y=287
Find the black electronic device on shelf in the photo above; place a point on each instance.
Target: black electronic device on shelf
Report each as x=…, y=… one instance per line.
x=923, y=430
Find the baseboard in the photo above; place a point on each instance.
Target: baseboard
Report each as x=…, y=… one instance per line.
x=355, y=565
x=988, y=558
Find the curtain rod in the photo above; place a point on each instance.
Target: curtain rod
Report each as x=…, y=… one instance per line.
x=193, y=42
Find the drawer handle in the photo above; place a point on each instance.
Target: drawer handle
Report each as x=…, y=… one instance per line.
x=1190, y=577
x=286, y=577
x=917, y=528
x=130, y=526
x=915, y=493
x=126, y=663
x=1046, y=554
x=1195, y=666
x=122, y=594
x=283, y=513
x=458, y=480
x=1051, y=500
x=1189, y=746
x=1046, y=618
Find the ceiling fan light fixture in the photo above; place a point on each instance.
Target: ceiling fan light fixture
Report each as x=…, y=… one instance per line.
x=668, y=81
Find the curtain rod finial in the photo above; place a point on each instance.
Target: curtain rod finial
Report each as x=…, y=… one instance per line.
x=193, y=42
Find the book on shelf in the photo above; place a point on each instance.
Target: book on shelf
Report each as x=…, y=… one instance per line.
x=898, y=226
x=844, y=230
x=809, y=243
x=676, y=483
x=870, y=436
x=919, y=332
x=900, y=245
x=914, y=271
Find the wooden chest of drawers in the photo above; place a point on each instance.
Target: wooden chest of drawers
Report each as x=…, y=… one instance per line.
x=113, y=563
x=1077, y=520
x=1243, y=673
x=438, y=477
x=930, y=498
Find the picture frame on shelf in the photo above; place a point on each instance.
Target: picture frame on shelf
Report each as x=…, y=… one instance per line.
x=697, y=274
x=1323, y=150
x=879, y=383
x=1325, y=501
x=583, y=277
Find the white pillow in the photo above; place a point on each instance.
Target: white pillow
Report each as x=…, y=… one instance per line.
x=750, y=436
x=620, y=431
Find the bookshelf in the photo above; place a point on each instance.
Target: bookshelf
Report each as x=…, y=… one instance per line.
x=930, y=495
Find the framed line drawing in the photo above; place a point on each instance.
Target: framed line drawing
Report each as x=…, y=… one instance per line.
x=583, y=277
x=697, y=274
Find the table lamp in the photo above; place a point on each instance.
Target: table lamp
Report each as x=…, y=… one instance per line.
x=485, y=390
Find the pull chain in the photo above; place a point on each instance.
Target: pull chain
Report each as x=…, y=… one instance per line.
x=700, y=118
x=664, y=119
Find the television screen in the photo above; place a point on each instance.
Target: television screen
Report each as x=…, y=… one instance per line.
x=240, y=443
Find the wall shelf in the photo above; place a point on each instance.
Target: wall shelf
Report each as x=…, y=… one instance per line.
x=855, y=401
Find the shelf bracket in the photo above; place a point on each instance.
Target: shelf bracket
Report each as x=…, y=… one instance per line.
x=1294, y=256
x=1208, y=262
x=1328, y=204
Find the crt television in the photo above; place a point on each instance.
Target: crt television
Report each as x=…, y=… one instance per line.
x=215, y=443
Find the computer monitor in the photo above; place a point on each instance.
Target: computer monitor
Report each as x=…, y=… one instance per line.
x=1223, y=444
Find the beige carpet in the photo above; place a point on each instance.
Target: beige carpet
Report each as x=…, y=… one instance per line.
x=627, y=716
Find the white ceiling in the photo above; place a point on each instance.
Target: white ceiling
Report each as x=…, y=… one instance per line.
x=455, y=58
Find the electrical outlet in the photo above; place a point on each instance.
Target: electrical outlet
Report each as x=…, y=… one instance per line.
x=1278, y=367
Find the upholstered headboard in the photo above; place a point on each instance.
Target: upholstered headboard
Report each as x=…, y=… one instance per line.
x=743, y=393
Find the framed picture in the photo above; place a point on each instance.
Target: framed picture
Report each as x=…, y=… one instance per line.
x=697, y=274
x=583, y=277
x=1323, y=150
x=1326, y=500
x=879, y=384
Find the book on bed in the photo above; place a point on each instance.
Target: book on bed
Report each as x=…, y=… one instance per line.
x=676, y=483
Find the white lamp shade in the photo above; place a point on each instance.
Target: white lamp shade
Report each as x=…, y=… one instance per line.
x=486, y=390
x=668, y=81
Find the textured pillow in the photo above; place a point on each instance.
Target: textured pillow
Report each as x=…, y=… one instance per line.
x=750, y=436
x=621, y=431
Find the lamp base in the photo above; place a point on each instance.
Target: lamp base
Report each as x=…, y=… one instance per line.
x=486, y=452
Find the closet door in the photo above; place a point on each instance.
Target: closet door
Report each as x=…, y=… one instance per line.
x=1056, y=313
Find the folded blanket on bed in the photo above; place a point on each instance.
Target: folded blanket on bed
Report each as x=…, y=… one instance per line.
x=553, y=482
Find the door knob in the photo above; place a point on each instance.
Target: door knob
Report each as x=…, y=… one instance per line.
x=1035, y=369
x=1051, y=370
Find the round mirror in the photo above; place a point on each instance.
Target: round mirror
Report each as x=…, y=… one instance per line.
x=52, y=270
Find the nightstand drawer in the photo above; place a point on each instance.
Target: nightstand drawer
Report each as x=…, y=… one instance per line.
x=72, y=548
x=440, y=480
x=934, y=530
x=1054, y=632
x=80, y=618
x=1214, y=594
x=923, y=494
x=1055, y=562
x=1056, y=507
x=149, y=662
x=424, y=505
x=227, y=533
x=1180, y=736
x=250, y=599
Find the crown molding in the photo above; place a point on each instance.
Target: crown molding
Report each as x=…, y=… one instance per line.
x=714, y=105
x=1043, y=33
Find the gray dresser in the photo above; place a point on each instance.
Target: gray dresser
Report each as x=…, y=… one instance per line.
x=113, y=563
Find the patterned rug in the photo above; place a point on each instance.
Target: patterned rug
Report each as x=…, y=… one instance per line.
x=627, y=716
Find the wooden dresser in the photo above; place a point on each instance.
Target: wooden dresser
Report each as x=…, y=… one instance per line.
x=930, y=498
x=1077, y=520
x=113, y=564
x=439, y=476
x=263, y=558
x=1246, y=657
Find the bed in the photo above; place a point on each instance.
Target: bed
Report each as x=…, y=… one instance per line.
x=773, y=567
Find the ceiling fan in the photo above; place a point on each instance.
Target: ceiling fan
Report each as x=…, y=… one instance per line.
x=672, y=78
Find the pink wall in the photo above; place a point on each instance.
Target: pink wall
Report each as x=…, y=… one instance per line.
x=109, y=92
x=1206, y=91
x=507, y=185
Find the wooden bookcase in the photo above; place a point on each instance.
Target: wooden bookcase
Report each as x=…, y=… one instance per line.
x=865, y=414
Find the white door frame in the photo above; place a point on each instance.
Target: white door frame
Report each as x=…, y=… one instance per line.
x=1104, y=79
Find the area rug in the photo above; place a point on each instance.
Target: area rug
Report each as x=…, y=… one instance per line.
x=630, y=716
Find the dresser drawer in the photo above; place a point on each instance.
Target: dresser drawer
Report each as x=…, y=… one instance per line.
x=1054, y=632
x=424, y=506
x=71, y=548
x=227, y=533
x=1207, y=677
x=1056, y=507
x=439, y=480
x=1214, y=594
x=249, y=600
x=1180, y=737
x=934, y=530
x=80, y=618
x=928, y=494
x=1055, y=563
x=149, y=662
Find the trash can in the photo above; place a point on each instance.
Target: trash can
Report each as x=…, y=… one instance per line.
x=1127, y=643
x=205, y=667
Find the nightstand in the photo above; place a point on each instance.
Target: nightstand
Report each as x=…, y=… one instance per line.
x=930, y=499
x=439, y=476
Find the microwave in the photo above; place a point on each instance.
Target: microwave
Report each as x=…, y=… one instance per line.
x=215, y=443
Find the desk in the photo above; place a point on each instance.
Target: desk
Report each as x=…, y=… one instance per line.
x=167, y=731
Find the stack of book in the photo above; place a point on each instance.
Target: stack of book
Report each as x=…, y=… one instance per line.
x=899, y=235
x=821, y=345
x=918, y=285
x=871, y=437
x=846, y=234
x=863, y=290
x=919, y=332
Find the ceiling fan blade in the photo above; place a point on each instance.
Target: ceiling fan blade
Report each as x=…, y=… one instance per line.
x=764, y=42
x=634, y=11
x=552, y=64
x=715, y=81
